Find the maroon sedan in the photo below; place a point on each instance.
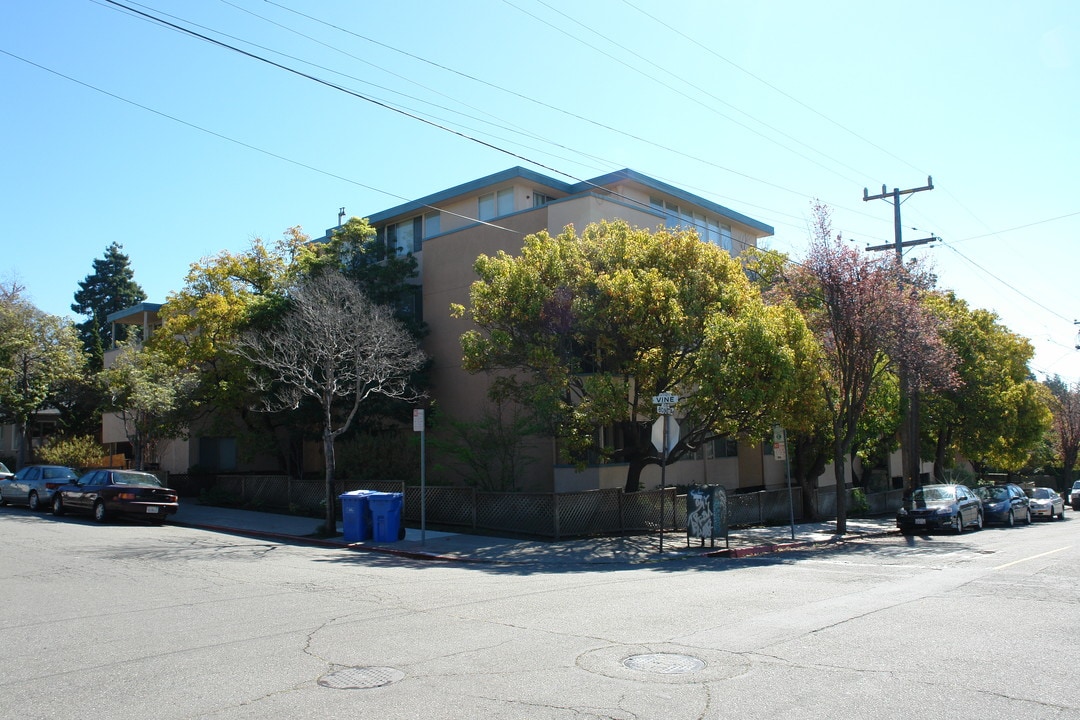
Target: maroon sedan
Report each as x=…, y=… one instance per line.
x=109, y=493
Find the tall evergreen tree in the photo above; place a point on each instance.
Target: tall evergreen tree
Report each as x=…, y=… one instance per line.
x=111, y=287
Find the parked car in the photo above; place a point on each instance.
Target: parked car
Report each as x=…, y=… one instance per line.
x=1074, y=495
x=110, y=493
x=4, y=472
x=34, y=485
x=1045, y=502
x=1004, y=504
x=940, y=506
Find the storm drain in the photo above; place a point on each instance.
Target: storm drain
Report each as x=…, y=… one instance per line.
x=361, y=678
x=664, y=663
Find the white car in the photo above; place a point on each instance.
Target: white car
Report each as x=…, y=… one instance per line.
x=1074, y=495
x=1045, y=502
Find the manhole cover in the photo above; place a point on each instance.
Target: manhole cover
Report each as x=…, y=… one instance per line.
x=361, y=678
x=664, y=663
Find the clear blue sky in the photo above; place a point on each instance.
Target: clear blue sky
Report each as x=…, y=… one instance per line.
x=124, y=130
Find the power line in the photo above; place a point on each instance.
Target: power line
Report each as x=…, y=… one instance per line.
x=361, y=96
x=769, y=85
x=688, y=155
x=1030, y=299
x=243, y=144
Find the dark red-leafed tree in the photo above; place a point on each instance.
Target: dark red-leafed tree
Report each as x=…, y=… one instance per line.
x=867, y=315
x=1066, y=433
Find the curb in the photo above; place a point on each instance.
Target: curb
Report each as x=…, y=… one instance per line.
x=730, y=552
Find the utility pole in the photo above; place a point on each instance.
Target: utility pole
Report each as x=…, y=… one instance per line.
x=911, y=459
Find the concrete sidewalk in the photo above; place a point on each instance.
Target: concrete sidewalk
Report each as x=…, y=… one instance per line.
x=463, y=547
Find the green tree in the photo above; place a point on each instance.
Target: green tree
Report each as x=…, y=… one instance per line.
x=39, y=353
x=584, y=330
x=997, y=414
x=385, y=277
x=147, y=393
x=109, y=288
x=224, y=296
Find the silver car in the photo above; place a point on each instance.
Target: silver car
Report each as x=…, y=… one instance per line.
x=1045, y=502
x=34, y=485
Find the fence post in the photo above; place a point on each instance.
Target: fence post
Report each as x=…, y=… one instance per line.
x=555, y=506
x=473, y=493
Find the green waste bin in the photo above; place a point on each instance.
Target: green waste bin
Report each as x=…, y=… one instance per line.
x=356, y=515
x=385, y=516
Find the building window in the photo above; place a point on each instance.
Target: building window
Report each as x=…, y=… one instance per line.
x=405, y=237
x=540, y=199
x=493, y=205
x=432, y=224
x=725, y=447
x=708, y=229
x=217, y=454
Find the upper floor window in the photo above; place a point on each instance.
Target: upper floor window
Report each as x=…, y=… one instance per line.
x=432, y=224
x=404, y=237
x=496, y=204
x=541, y=199
x=708, y=229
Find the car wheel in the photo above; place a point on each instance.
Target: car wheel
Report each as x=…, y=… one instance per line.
x=99, y=511
x=1028, y=521
x=979, y=521
x=1011, y=520
x=57, y=505
x=34, y=502
x=959, y=523
x=1061, y=515
x=3, y=502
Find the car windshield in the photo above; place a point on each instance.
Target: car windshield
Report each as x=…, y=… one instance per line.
x=992, y=493
x=58, y=473
x=933, y=494
x=1076, y=485
x=136, y=478
x=1039, y=493
x=3, y=469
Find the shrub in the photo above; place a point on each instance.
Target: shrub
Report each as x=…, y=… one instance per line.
x=77, y=452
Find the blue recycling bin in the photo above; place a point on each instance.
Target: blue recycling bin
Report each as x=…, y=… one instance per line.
x=385, y=516
x=356, y=515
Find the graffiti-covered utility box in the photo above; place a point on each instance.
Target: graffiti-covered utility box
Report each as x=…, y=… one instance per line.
x=706, y=513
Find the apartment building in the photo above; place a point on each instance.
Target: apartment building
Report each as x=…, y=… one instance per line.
x=447, y=230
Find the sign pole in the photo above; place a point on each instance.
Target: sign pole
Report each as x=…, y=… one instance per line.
x=663, y=480
x=665, y=407
x=419, y=426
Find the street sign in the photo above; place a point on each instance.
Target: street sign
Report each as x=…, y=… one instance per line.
x=779, y=445
x=658, y=433
x=418, y=419
x=665, y=399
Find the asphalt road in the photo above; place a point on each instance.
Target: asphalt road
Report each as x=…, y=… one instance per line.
x=133, y=621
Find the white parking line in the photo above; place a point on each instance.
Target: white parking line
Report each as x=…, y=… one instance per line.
x=1033, y=557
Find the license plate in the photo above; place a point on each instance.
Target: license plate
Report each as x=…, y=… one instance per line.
x=920, y=521
x=153, y=509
